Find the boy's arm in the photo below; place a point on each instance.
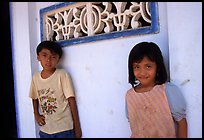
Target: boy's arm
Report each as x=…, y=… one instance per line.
x=182, y=128
x=39, y=118
x=74, y=111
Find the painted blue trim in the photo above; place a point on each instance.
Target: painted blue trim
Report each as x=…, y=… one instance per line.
x=56, y=6
x=14, y=74
x=154, y=28
x=41, y=25
x=154, y=17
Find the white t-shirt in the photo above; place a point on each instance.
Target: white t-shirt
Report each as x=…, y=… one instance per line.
x=52, y=94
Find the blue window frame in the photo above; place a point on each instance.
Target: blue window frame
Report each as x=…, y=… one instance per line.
x=153, y=28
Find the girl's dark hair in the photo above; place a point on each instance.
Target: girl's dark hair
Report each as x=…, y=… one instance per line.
x=153, y=52
x=50, y=45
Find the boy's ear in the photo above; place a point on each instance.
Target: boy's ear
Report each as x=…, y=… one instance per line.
x=38, y=58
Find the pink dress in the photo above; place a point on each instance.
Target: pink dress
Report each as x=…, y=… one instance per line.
x=149, y=114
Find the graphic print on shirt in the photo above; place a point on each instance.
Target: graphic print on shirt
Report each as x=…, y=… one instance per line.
x=47, y=101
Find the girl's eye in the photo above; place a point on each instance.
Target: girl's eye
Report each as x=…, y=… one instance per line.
x=135, y=67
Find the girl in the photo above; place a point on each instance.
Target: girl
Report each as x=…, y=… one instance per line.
x=152, y=103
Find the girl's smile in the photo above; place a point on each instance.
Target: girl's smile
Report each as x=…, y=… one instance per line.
x=145, y=72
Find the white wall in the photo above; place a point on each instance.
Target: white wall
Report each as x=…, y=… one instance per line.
x=185, y=52
x=25, y=36
x=22, y=69
x=98, y=70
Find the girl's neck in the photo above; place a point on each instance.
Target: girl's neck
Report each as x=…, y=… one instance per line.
x=47, y=73
x=144, y=88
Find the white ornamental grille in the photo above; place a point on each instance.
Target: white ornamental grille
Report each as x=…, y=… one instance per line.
x=83, y=19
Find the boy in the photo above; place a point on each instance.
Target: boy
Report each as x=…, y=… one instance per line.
x=52, y=91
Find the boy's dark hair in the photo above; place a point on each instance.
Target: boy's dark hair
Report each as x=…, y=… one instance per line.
x=153, y=52
x=50, y=45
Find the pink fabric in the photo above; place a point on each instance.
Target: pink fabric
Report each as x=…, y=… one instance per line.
x=149, y=114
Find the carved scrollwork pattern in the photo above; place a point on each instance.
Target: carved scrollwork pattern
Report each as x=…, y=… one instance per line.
x=105, y=17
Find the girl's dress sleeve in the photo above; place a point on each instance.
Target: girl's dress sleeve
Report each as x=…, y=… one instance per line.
x=176, y=101
x=126, y=110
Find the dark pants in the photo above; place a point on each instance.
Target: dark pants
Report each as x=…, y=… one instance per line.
x=64, y=134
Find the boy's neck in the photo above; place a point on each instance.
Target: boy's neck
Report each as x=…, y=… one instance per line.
x=47, y=73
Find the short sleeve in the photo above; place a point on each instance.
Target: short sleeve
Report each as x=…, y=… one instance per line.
x=126, y=110
x=67, y=85
x=176, y=101
x=33, y=91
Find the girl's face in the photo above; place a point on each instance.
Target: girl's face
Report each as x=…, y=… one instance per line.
x=48, y=59
x=145, y=72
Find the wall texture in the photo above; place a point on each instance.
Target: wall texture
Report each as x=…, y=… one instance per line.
x=185, y=55
x=99, y=69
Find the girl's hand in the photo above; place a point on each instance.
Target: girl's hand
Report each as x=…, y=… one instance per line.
x=182, y=128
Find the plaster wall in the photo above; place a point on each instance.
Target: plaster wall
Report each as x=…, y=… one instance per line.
x=99, y=69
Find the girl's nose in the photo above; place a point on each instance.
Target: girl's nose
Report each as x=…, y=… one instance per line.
x=142, y=72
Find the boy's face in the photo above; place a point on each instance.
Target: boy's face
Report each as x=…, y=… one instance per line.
x=48, y=59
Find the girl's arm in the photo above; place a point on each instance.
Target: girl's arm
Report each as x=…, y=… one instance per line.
x=182, y=128
x=73, y=107
x=177, y=106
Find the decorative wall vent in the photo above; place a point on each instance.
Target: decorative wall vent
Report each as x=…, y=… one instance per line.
x=77, y=22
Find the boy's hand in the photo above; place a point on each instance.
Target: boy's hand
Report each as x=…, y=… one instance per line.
x=40, y=119
x=78, y=132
